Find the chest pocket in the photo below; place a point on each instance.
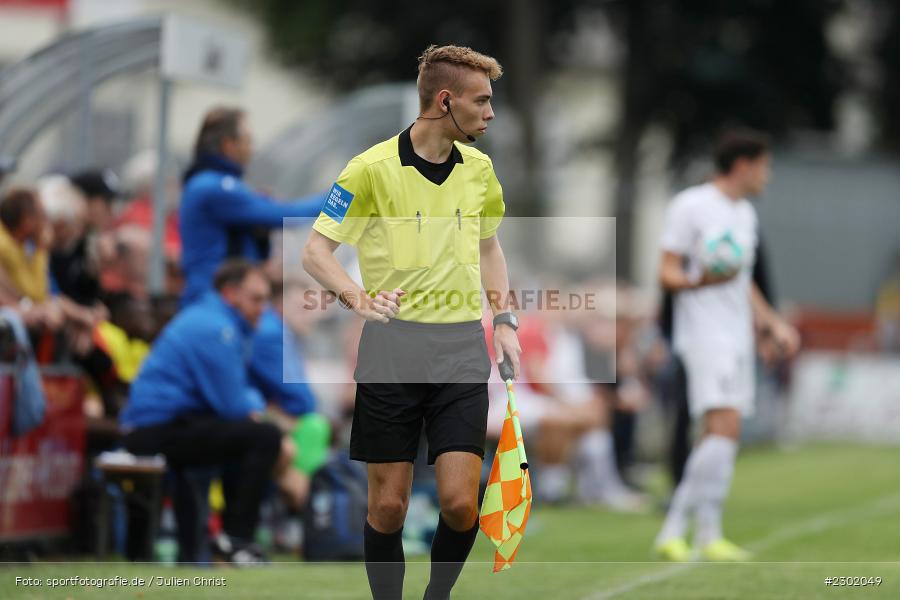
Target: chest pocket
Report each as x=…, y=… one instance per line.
x=408, y=241
x=467, y=238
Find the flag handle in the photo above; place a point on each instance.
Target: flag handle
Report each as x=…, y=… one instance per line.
x=523, y=460
x=507, y=374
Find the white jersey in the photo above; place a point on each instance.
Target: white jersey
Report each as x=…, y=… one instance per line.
x=719, y=317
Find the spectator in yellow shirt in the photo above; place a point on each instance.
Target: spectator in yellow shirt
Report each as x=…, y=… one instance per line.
x=23, y=246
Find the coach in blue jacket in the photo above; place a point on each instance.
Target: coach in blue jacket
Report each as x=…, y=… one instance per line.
x=193, y=403
x=220, y=216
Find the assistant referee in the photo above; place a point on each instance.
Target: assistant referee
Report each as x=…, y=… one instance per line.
x=423, y=210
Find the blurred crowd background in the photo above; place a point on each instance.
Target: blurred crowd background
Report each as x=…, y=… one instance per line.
x=605, y=110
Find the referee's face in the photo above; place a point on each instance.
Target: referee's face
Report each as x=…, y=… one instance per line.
x=472, y=108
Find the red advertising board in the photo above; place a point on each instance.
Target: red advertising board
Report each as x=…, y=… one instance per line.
x=39, y=470
x=35, y=4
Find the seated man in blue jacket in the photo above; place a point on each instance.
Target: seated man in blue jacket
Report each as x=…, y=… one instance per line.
x=277, y=364
x=277, y=368
x=220, y=216
x=193, y=403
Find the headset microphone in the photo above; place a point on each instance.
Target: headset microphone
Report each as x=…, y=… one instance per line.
x=471, y=138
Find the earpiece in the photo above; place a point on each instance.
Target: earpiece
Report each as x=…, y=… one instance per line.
x=469, y=137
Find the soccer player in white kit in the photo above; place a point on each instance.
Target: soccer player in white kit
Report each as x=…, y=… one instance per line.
x=715, y=318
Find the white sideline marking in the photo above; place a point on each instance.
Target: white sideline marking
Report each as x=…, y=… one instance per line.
x=816, y=524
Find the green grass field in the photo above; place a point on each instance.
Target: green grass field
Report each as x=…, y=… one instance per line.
x=809, y=514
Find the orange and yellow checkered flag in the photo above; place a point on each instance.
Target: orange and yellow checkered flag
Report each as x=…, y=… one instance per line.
x=507, y=500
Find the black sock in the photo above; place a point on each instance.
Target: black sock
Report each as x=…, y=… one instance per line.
x=385, y=563
x=449, y=551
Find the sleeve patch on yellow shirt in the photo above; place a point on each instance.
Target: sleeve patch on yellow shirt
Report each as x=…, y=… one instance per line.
x=337, y=203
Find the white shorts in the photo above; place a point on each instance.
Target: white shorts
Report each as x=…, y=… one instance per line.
x=718, y=378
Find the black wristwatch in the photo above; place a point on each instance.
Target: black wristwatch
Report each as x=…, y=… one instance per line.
x=507, y=318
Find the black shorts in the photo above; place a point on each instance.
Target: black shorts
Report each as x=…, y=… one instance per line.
x=414, y=374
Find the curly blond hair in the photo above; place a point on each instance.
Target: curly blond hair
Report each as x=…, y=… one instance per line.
x=440, y=68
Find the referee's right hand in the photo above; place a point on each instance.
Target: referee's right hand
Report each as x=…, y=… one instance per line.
x=382, y=308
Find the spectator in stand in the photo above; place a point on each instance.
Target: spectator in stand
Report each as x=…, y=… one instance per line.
x=100, y=188
x=73, y=274
x=24, y=241
x=124, y=251
x=25, y=283
x=220, y=216
x=125, y=340
x=73, y=264
x=25, y=237
x=192, y=401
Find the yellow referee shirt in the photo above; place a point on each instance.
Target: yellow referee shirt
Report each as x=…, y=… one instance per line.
x=417, y=226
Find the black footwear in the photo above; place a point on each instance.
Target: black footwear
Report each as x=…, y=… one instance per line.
x=237, y=553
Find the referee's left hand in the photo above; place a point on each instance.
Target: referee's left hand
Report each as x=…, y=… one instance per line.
x=506, y=347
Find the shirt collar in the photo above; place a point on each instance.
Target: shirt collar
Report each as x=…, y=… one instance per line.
x=214, y=162
x=409, y=158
